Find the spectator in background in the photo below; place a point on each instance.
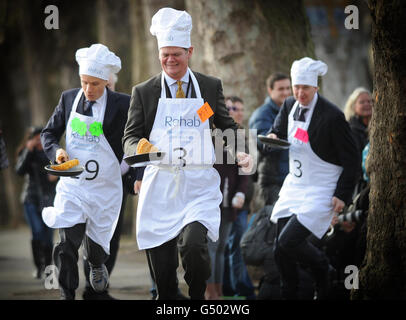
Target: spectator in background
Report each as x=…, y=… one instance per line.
x=273, y=165
x=236, y=280
x=358, y=112
x=3, y=151
x=38, y=192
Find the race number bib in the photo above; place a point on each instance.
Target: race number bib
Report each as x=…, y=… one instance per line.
x=299, y=169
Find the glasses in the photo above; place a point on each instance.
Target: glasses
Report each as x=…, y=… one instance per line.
x=234, y=108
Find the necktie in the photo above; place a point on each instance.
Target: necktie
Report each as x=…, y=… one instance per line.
x=87, y=108
x=302, y=112
x=180, y=93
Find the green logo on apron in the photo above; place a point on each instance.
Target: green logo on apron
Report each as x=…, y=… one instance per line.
x=96, y=129
x=80, y=127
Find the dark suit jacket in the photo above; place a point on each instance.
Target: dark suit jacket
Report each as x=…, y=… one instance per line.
x=115, y=118
x=144, y=103
x=330, y=138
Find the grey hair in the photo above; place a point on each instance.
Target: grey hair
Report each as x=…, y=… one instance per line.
x=349, y=105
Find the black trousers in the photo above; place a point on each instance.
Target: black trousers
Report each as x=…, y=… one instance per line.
x=66, y=257
x=292, y=247
x=163, y=260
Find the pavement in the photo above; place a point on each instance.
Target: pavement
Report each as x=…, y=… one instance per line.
x=130, y=279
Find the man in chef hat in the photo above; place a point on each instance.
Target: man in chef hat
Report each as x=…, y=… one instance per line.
x=87, y=206
x=323, y=162
x=179, y=200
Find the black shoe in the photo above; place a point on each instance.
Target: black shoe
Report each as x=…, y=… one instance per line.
x=67, y=295
x=181, y=296
x=324, y=283
x=37, y=255
x=90, y=294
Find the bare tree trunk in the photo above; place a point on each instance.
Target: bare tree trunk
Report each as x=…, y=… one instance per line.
x=14, y=215
x=34, y=70
x=243, y=42
x=102, y=21
x=139, y=53
x=383, y=275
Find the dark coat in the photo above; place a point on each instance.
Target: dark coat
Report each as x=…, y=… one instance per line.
x=37, y=188
x=360, y=134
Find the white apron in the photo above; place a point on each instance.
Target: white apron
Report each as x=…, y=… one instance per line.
x=95, y=195
x=309, y=187
x=183, y=187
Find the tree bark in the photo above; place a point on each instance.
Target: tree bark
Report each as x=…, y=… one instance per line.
x=243, y=42
x=139, y=53
x=383, y=275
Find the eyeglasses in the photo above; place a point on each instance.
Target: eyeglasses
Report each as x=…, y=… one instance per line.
x=234, y=108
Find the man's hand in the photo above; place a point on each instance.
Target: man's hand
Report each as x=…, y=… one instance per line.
x=338, y=205
x=245, y=161
x=52, y=178
x=348, y=226
x=61, y=156
x=137, y=186
x=272, y=136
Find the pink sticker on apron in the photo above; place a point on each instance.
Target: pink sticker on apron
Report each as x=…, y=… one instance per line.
x=302, y=135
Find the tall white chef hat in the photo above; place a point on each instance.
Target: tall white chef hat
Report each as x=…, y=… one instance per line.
x=172, y=28
x=97, y=61
x=306, y=70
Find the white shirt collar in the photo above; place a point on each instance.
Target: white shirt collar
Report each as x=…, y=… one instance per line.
x=170, y=81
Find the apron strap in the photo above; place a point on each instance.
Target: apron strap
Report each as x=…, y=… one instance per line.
x=165, y=92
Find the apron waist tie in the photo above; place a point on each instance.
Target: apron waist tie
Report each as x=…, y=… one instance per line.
x=176, y=169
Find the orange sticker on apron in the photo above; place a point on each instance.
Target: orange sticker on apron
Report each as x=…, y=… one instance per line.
x=302, y=135
x=205, y=112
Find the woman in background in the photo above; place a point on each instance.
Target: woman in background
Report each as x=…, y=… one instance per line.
x=358, y=112
x=38, y=192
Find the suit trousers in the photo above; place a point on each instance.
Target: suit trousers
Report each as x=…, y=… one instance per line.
x=191, y=243
x=66, y=257
x=291, y=248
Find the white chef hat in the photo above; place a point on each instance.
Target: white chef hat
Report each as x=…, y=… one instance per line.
x=306, y=70
x=172, y=28
x=97, y=61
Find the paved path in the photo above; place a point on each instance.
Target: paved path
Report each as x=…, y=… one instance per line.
x=130, y=279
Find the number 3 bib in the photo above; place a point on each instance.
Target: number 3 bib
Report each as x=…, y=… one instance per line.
x=94, y=197
x=299, y=139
